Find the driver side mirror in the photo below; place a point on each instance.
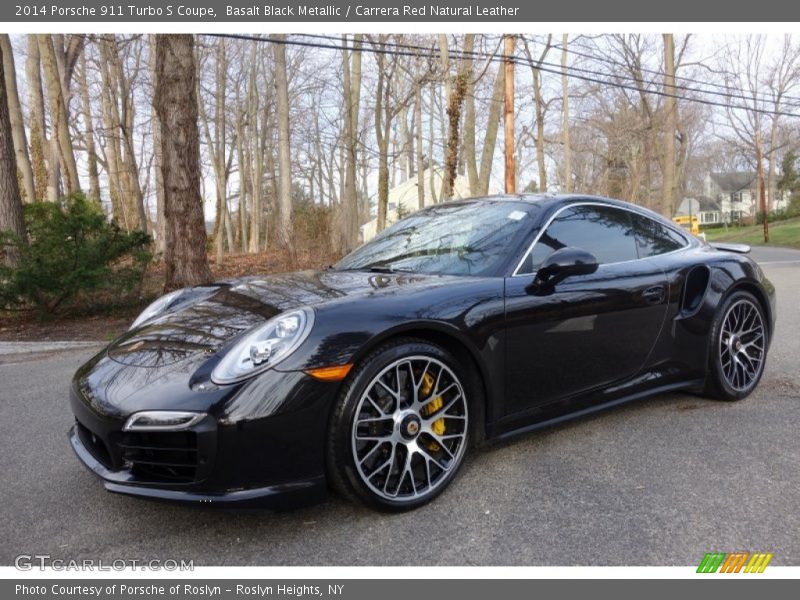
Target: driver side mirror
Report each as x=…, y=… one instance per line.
x=563, y=263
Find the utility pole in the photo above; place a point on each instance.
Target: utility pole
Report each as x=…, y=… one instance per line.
x=511, y=184
x=762, y=196
x=668, y=200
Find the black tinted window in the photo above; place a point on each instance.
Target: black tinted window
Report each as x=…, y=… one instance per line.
x=653, y=238
x=605, y=232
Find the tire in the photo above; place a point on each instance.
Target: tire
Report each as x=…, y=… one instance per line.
x=737, y=348
x=401, y=426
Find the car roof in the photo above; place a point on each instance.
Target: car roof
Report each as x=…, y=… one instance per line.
x=546, y=200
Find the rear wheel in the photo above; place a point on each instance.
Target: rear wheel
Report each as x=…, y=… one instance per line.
x=738, y=347
x=401, y=428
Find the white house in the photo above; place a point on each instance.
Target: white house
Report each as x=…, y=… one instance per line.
x=736, y=194
x=705, y=209
x=403, y=198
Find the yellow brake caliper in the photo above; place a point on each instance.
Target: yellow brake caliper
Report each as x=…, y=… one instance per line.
x=430, y=408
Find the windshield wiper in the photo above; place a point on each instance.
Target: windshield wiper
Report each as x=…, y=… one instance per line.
x=388, y=270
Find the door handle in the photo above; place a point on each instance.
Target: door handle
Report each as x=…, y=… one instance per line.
x=654, y=295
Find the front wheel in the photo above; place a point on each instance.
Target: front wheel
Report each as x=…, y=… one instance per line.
x=401, y=427
x=737, y=347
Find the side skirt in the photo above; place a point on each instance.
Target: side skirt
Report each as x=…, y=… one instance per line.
x=672, y=387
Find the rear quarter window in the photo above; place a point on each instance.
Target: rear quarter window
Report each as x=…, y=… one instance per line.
x=654, y=238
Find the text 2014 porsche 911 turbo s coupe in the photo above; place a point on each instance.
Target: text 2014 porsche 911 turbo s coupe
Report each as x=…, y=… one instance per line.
x=468, y=321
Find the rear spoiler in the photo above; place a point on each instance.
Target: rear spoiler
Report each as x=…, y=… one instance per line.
x=738, y=248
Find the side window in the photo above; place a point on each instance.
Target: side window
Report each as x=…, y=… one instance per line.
x=653, y=238
x=606, y=232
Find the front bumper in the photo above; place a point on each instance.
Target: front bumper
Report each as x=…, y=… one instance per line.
x=238, y=454
x=284, y=495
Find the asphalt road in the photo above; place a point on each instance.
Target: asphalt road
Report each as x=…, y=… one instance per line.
x=655, y=482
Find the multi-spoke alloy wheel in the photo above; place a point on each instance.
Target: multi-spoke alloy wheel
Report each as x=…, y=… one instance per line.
x=742, y=344
x=410, y=429
x=738, y=345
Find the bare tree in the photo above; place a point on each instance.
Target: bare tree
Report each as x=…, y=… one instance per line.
x=89, y=133
x=57, y=96
x=540, y=106
x=284, y=145
x=157, y=151
x=480, y=187
x=384, y=113
x=565, y=117
x=10, y=201
x=17, y=123
x=457, y=91
x=216, y=144
x=40, y=155
x=185, y=252
x=347, y=234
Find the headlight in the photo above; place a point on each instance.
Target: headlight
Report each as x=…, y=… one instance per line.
x=265, y=346
x=156, y=308
x=162, y=420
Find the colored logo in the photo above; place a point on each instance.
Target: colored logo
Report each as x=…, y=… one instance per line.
x=735, y=562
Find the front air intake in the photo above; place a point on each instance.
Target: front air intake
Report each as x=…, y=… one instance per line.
x=169, y=456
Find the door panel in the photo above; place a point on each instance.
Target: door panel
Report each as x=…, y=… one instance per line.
x=591, y=331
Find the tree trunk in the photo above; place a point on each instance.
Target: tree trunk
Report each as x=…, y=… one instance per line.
x=58, y=114
x=88, y=136
x=492, y=127
x=17, y=123
x=256, y=156
x=565, y=124
x=112, y=149
x=348, y=209
x=455, y=102
x=431, y=135
x=157, y=153
x=39, y=145
x=418, y=133
x=383, y=124
x=539, y=110
x=470, y=157
x=459, y=88
x=122, y=115
x=216, y=145
x=10, y=202
x=185, y=254
x=244, y=177
x=284, y=146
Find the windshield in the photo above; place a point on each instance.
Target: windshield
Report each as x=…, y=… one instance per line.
x=471, y=238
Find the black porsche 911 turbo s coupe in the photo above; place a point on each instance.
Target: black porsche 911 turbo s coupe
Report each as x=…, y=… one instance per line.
x=464, y=322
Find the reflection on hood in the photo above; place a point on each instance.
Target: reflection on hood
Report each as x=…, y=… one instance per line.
x=206, y=325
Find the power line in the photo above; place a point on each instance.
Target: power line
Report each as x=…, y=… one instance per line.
x=592, y=77
x=638, y=80
x=592, y=72
x=610, y=61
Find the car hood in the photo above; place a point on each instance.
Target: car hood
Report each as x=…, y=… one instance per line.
x=227, y=309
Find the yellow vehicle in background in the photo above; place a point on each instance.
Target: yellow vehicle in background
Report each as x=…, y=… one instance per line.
x=692, y=223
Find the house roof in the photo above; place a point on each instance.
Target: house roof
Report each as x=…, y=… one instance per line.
x=693, y=206
x=734, y=181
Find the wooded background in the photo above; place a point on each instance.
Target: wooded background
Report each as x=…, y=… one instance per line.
x=267, y=137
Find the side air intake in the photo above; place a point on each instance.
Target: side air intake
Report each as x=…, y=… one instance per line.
x=694, y=289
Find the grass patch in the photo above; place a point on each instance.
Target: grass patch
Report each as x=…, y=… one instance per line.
x=781, y=233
